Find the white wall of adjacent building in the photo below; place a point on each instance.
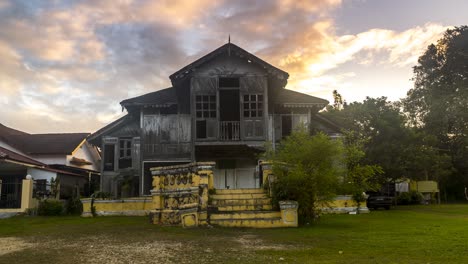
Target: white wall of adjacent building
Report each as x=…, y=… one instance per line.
x=38, y=174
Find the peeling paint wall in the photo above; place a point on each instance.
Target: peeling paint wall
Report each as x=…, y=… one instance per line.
x=180, y=194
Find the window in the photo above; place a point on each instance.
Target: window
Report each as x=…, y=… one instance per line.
x=253, y=105
x=125, y=153
x=205, y=106
x=109, y=157
x=125, y=148
x=286, y=125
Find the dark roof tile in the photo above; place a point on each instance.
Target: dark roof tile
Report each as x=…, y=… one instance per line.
x=35, y=144
x=285, y=96
x=8, y=154
x=164, y=97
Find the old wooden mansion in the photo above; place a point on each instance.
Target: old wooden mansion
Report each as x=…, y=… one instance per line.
x=223, y=107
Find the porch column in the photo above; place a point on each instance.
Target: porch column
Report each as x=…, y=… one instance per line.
x=27, y=194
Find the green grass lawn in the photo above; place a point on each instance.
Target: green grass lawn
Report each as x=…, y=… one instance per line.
x=416, y=234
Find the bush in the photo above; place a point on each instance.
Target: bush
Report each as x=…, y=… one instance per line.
x=73, y=206
x=305, y=171
x=407, y=198
x=50, y=207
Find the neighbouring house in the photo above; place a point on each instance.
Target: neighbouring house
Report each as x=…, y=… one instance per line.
x=221, y=108
x=64, y=164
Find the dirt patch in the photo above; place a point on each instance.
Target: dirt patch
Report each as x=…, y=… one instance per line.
x=12, y=244
x=103, y=250
x=253, y=242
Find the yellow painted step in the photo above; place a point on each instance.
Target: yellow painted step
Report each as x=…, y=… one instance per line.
x=230, y=208
x=256, y=201
x=245, y=215
x=237, y=196
x=255, y=223
x=239, y=191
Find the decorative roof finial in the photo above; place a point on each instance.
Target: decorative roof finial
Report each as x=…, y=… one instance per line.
x=229, y=38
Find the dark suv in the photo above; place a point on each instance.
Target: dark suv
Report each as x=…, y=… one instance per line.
x=375, y=201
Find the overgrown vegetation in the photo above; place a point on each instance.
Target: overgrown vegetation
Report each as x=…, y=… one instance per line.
x=358, y=176
x=50, y=207
x=312, y=169
x=306, y=170
x=98, y=195
x=411, y=197
x=73, y=206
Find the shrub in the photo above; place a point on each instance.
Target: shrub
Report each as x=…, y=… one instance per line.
x=50, y=207
x=412, y=197
x=305, y=171
x=404, y=198
x=73, y=206
x=416, y=197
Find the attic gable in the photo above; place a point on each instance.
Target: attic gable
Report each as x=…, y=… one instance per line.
x=228, y=49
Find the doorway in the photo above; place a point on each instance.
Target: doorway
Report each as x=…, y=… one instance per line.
x=229, y=114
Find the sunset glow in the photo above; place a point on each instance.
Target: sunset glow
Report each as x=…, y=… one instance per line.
x=66, y=65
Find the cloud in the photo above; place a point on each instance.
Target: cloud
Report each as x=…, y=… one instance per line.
x=73, y=61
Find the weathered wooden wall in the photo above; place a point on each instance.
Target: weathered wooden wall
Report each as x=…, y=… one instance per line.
x=166, y=137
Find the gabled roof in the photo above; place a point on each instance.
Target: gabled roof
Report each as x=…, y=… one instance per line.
x=13, y=157
x=32, y=144
x=232, y=50
x=290, y=98
x=35, y=144
x=7, y=131
x=6, y=154
x=162, y=98
x=127, y=125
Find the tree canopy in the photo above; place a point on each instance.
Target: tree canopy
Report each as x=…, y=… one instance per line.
x=438, y=103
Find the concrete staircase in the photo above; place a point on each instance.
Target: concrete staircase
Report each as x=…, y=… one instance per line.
x=243, y=208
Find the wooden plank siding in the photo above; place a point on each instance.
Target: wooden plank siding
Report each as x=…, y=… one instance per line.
x=166, y=136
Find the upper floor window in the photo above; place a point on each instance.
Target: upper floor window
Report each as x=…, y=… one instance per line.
x=205, y=106
x=125, y=155
x=125, y=148
x=109, y=157
x=253, y=105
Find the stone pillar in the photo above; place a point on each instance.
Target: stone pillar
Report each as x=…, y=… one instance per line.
x=289, y=212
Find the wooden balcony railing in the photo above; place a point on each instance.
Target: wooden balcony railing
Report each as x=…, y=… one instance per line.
x=230, y=130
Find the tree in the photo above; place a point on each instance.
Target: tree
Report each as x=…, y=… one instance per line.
x=306, y=170
x=438, y=102
x=359, y=178
x=379, y=126
x=338, y=102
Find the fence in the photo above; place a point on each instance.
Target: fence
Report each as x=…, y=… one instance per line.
x=10, y=195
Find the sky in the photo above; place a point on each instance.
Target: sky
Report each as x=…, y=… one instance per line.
x=66, y=65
